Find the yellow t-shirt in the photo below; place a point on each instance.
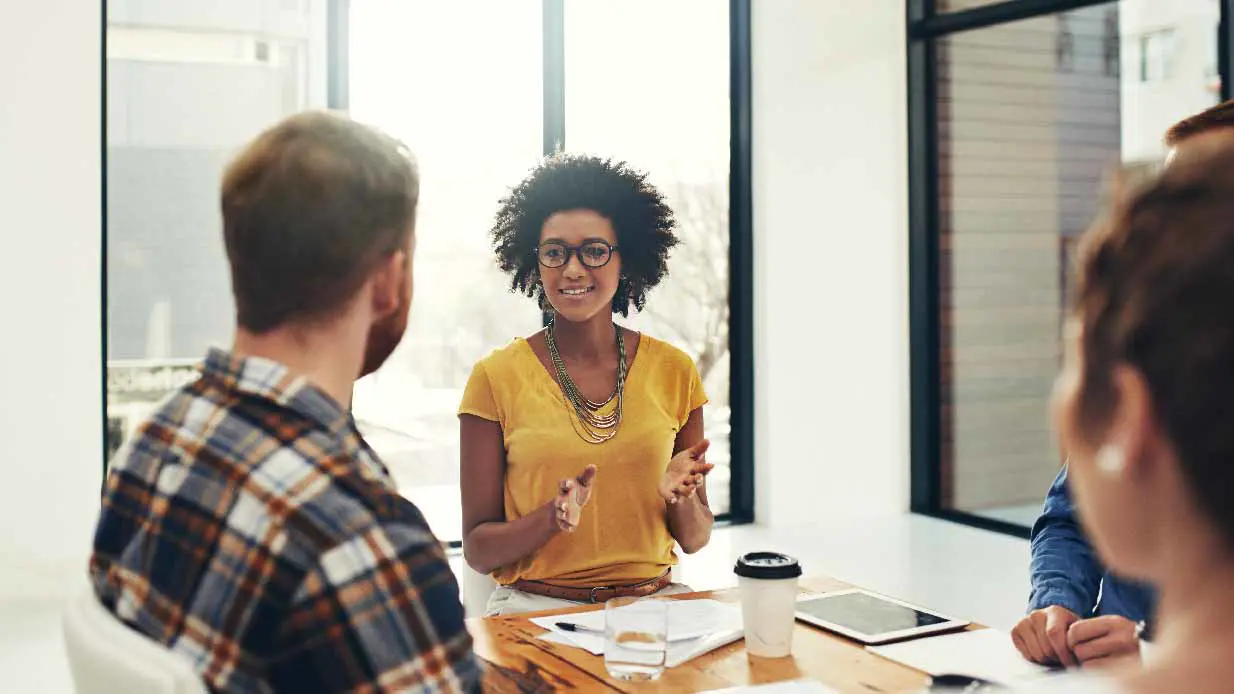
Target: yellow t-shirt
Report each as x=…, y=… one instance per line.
x=623, y=535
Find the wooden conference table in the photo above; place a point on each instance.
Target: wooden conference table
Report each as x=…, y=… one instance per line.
x=517, y=661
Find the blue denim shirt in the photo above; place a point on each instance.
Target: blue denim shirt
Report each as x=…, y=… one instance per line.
x=1067, y=572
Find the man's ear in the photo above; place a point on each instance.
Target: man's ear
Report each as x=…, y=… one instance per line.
x=387, y=281
x=1133, y=426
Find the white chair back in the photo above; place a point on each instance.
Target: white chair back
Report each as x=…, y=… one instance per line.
x=477, y=588
x=106, y=656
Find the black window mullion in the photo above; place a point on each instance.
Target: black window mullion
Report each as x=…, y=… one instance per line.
x=1225, y=54
x=929, y=24
x=741, y=269
x=104, y=305
x=924, y=344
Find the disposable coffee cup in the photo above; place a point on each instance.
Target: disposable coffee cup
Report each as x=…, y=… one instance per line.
x=767, y=582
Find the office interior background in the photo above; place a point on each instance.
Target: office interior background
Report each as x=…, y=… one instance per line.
x=878, y=205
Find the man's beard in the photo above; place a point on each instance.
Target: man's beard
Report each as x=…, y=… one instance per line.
x=382, y=339
x=387, y=332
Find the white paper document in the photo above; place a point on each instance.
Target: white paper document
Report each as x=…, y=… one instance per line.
x=687, y=619
x=678, y=652
x=695, y=627
x=985, y=653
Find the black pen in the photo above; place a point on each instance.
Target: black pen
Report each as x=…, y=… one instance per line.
x=567, y=626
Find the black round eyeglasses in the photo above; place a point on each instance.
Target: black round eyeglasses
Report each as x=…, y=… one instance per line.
x=593, y=254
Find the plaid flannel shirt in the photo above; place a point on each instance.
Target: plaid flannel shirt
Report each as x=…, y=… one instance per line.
x=248, y=527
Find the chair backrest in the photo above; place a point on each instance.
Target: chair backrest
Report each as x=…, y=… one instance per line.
x=477, y=588
x=106, y=656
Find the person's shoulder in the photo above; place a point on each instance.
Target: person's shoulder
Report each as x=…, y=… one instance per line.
x=197, y=453
x=278, y=480
x=237, y=441
x=393, y=529
x=329, y=500
x=507, y=356
x=666, y=355
x=160, y=434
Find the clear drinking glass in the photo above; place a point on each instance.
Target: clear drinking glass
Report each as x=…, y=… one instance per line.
x=636, y=638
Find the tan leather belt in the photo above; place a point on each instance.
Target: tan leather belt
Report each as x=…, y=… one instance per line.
x=597, y=594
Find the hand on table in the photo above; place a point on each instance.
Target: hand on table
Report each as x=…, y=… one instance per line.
x=1057, y=636
x=572, y=496
x=1041, y=637
x=1103, y=640
x=685, y=473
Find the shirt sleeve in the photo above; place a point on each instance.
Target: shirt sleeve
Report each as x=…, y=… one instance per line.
x=377, y=613
x=696, y=394
x=478, y=398
x=1064, y=569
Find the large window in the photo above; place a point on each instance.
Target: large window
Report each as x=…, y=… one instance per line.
x=462, y=88
x=480, y=96
x=480, y=90
x=187, y=84
x=666, y=110
x=1017, y=116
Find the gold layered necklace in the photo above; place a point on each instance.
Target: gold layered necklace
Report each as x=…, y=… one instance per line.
x=594, y=422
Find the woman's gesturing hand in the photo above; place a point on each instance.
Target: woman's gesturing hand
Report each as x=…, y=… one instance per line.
x=685, y=473
x=572, y=496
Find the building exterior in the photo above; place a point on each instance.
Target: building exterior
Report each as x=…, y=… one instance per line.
x=1034, y=117
x=1169, y=64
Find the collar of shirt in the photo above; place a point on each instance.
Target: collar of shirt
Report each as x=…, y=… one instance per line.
x=270, y=380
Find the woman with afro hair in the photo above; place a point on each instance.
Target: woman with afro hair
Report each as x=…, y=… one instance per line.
x=582, y=450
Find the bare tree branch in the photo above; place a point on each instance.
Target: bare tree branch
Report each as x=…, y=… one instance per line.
x=691, y=307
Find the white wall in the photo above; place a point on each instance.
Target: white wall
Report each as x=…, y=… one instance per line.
x=50, y=352
x=831, y=269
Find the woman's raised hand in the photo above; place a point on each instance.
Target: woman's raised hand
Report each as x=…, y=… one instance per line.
x=572, y=496
x=685, y=473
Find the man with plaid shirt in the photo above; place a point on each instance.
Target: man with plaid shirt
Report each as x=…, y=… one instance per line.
x=247, y=525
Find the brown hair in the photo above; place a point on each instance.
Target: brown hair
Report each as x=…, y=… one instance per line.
x=309, y=208
x=1216, y=118
x=1156, y=291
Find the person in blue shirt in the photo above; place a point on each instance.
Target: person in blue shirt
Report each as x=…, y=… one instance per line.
x=1079, y=612
x=1070, y=586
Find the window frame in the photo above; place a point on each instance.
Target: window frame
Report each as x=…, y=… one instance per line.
x=741, y=243
x=926, y=26
x=1155, y=56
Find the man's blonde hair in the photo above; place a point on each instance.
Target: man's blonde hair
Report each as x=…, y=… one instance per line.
x=309, y=208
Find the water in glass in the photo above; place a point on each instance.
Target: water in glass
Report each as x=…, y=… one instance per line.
x=636, y=638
